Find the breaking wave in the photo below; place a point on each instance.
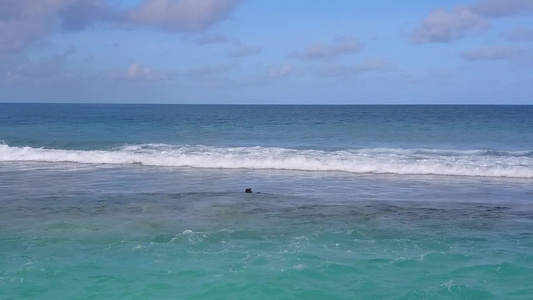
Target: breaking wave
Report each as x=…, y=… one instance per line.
x=517, y=164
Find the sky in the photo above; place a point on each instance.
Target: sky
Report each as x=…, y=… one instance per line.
x=267, y=52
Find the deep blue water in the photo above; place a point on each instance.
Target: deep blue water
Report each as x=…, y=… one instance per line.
x=90, y=127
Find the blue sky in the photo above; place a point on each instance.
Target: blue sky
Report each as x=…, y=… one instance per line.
x=267, y=52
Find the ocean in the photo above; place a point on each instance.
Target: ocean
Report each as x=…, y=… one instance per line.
x=348, y=202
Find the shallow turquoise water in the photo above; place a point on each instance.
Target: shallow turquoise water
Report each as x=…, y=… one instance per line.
x=128, y=232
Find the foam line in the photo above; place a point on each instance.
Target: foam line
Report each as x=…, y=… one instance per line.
x=518, y=164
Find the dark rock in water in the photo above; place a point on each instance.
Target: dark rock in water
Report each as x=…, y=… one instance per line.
x=248, y=190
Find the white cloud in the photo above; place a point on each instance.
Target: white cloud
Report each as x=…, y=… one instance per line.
x=182, y=15
x=342, y=46
x=443, y=25
x=23, y=22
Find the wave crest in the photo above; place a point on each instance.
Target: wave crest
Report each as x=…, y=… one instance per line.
x=518, y=164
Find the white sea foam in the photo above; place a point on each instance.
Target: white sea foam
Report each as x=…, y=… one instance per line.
x=518, y=164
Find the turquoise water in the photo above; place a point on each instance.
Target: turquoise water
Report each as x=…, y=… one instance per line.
x=137, y=202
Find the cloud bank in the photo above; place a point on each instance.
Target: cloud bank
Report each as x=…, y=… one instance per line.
x=442, y=25
x=25, y=22
x=502, y=8
x=181, y=15
x=81, y=14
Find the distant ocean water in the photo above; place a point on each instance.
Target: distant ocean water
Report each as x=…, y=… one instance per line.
x=355, y=202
